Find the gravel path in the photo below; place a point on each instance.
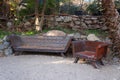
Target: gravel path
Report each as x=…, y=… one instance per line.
x=41, y=67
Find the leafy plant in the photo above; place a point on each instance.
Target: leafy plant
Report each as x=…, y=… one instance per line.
x=94, y=8
x=28, y=33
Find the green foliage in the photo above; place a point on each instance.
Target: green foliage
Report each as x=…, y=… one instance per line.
x=28, y=33
x=96, y=32
x=66, y=30
x=94, y=8
x=69, y=9
x=3, y=33
x=30, y=8
x=51, y=7
x=117, y=4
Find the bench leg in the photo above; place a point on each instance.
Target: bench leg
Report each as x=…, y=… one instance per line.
x=62, y=54
x=17, y=53
x=76, y=59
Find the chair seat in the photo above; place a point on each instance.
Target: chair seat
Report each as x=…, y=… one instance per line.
x=86, y=54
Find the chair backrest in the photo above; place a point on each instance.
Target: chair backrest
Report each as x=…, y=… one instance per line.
x=92, y=45
x=78, y=46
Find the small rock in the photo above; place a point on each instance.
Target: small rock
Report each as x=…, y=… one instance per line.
x=8, y=51
x=1, y=41
x=77, y=35
x=74, y=18
x=67, y=19
x=76, y=26
x=6, y=44
x=83, y=25
x=83, y=37
x=92, y=37
x=72, y=24
x=107, y=40
x=70, y=35
x=1, y=46
x=52, y=19
x=115, y=59
x=59, y=19
x=88, y=22
x=77, y=22
x=56, y=23
x=94, y=18
x=104, y=28
x=27, y=24
x=9, y=24
x=55, y=33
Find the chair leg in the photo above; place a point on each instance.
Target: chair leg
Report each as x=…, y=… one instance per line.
x=76, y=59
x=94, y=64
x=63, y=55
x=101, y=62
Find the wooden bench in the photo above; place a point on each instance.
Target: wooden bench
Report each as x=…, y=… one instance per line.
x=91, y=51
x=40, y=43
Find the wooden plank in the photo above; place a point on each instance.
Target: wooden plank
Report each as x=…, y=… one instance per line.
x=43, y=43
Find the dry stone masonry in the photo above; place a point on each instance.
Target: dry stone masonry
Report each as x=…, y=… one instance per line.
x=77, y=22
x=5, y=48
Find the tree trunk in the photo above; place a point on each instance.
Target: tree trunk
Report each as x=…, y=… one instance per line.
x=111, y=21
x=42, y=15
x=6, y=9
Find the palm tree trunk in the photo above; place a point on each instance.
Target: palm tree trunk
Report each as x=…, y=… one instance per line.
x=111, y=16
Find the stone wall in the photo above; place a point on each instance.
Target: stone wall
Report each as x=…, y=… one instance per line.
x=5, y=48
x=76, y=22
x=69, y=21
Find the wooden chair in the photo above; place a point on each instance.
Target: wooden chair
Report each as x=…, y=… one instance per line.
x=91, y=51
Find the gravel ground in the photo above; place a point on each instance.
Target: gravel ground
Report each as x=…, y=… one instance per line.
x=41, y=67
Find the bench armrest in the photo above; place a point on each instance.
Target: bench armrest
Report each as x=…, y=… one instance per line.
x=15, y=40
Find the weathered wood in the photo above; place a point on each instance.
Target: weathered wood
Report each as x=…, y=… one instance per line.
x=40, y=43
x=92, y=51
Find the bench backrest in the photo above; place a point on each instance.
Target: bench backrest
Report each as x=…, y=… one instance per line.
x=40, y=42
